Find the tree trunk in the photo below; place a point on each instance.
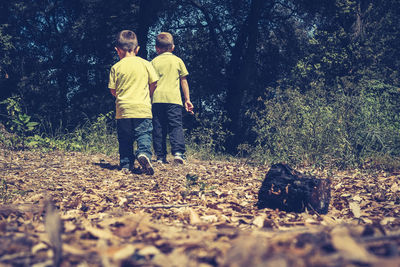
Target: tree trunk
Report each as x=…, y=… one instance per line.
x=147, y=15
x=241, y=68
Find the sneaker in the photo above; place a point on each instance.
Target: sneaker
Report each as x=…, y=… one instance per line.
x=146, y=164
x=179, y=158
x=162, y=160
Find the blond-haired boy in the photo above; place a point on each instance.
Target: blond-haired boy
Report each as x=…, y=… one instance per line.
x=132, y=82
x=167, y=100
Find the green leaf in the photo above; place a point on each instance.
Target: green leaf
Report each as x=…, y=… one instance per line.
x=32, y=124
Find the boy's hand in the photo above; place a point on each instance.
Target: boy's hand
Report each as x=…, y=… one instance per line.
x=189, y=107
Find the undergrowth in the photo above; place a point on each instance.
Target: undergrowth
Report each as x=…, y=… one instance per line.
x=93, y=136
x=339, y=130
x=299, y=128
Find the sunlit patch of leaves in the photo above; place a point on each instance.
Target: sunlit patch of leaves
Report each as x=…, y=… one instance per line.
x=200, y=213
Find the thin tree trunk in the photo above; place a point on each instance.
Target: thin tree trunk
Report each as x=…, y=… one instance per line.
x=241, y=67
x=147, y=14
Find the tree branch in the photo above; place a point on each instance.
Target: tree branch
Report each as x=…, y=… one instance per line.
x=211, y=22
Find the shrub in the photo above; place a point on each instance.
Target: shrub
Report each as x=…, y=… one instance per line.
x=207, y=140
x=339, y=129
x=18, y=122
x=98, y=135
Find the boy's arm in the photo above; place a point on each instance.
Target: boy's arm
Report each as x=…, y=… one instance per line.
x=113, y=92
x=152, y=88
x=185, y=90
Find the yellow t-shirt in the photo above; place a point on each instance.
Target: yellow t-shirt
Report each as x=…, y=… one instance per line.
x=170, y=68
x=130, y=77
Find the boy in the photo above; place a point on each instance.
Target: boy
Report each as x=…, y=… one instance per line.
x=133, y=81
x=167, y=100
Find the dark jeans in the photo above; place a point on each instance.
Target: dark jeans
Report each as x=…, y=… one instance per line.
x=167, y=119
x=130, y=130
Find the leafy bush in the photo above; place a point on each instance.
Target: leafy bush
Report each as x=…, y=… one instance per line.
x=98, y=136
x=208, y=139
x=340, y=129
x=18, y=122
x=93, y=136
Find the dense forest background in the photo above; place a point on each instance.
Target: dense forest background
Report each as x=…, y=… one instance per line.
x=305, y=81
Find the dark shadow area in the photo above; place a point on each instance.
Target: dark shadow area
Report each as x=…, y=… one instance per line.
x=107, y=166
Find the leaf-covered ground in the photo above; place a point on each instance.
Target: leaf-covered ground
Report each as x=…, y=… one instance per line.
x=199, y=214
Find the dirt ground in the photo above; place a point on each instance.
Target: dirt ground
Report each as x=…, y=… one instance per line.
x=74, y=209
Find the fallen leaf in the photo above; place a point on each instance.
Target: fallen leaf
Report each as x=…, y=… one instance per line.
x=149, y=250
x=355, y=209
x=259, y=221
x=39, y=247
x=344, y=243
x=194, y=217
x=124, y=252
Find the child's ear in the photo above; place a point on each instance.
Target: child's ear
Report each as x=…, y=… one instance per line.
x=137, y=50
x=118, y=52
x=172, y=48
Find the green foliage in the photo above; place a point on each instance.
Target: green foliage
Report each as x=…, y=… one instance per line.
x=340, y=130
x=5, y=46
x=96, y=136
x=208, y=139
x=194, y=185
x=191, y=180
x=18, y=122
x=46, y=143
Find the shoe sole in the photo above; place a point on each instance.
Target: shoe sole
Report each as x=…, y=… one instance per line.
x=146, y=165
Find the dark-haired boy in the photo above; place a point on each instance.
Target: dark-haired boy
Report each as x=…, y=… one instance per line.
x=132, y=82
x=167, y=100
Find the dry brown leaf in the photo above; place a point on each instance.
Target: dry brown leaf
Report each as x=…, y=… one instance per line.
x=41, y=246
x=74, y=250
x=344, y=243
x=194, y=217
x=355, y=209
x=259, y=220
x=149, y=250
x=97, y=232
x=106, y=212
x=123, y=253
x=209, y=218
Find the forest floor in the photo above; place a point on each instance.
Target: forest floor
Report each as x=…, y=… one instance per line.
x=202, y=213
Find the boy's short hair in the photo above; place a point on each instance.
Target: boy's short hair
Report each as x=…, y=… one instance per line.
x=164, y=41
x=127, y=40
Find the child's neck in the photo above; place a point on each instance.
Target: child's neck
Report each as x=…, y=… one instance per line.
x=164, y=51
x=128, y=54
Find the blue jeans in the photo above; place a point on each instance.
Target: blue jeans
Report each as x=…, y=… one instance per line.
x=167, y=119
x=130, y=130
